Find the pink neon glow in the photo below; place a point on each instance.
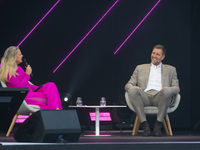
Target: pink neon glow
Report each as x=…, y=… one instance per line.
x=103, y=116
x=21, y=118
x=137, y=26
x=38, y=23
x=85, y=36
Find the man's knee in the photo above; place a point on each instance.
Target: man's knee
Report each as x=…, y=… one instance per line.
x=166, y=92
x=134, y=91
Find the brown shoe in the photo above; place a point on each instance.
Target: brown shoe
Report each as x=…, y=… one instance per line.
x=157, y=128
x=145, y=127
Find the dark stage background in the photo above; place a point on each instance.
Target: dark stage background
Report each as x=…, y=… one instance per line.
x=92, y=70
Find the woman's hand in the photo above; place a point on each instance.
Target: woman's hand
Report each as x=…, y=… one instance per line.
x=28, y=69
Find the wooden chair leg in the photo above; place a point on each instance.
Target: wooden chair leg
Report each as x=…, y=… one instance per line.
x=12, y=125
x=136, y=126
x=165, y=127
x=168, y=125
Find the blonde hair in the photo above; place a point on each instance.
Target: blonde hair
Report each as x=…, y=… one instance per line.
x=8, y=64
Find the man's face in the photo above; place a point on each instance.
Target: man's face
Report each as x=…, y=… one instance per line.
x=157, y=56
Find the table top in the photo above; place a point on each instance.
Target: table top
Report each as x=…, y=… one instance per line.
x=98, y=106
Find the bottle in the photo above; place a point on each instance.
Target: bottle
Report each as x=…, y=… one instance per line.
x=79, y=101
x=103, y=101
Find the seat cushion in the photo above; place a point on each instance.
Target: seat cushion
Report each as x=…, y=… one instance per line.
x=150, y=110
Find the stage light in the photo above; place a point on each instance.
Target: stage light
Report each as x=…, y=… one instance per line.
x=103, y=116
x=85, y=36
x=66, y=99
x=137, y=27
x=38, y=23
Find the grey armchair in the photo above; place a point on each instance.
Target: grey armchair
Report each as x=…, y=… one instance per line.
x=153, y=110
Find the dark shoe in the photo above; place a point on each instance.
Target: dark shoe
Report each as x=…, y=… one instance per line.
x=157, y=128
x=145, y=127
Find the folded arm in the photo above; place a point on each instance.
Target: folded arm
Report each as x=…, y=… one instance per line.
x=15, y=82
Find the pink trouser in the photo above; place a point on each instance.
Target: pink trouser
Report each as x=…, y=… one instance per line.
x=47, y=97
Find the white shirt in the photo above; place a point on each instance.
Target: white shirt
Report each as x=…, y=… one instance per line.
x=154, y=82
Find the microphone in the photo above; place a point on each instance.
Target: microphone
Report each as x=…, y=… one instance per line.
x=26, y=64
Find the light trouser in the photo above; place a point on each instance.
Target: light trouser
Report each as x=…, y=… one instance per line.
x=139, y=99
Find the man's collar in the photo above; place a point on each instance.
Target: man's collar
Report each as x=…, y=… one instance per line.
x=154, y=66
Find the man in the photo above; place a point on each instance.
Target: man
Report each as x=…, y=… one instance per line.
x=153, y=85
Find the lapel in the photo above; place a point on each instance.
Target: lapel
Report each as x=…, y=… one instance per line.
x=147, y=69
x=163, y=73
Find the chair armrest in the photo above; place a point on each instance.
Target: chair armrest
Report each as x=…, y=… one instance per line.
x=128, y=102
x=26, y=109
x=3, y=84
x=175, y=104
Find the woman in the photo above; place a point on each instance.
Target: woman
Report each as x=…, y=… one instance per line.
x=47, y=96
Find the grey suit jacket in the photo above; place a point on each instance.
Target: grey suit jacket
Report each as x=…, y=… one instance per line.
x=141, y=75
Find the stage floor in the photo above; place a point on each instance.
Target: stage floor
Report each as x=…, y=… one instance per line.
x=125, y=137
x=182, y=139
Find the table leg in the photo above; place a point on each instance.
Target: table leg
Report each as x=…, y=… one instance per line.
x=97, y=122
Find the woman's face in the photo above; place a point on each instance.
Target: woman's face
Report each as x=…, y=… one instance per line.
x=19, y=57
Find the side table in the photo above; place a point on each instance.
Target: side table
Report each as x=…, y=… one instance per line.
x=97, y=124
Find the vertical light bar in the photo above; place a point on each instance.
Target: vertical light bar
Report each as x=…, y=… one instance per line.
x=137, y=27
x=97, y=121
x=38, y=23
x=85, y=36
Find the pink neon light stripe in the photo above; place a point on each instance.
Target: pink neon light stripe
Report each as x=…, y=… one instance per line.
x=85, y=36
x=101, y=119
x=137, y=26
x=21, y=118
x=103, y=116
x=38, y=23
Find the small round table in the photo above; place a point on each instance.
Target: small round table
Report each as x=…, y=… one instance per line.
x=97, y=125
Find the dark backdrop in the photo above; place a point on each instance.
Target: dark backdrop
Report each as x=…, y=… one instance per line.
x=195, y=61
x=92, y=70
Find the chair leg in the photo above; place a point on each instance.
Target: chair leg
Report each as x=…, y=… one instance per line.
x=12, y=125
x=168, y=125
x=165, y=127
x=136, y=126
